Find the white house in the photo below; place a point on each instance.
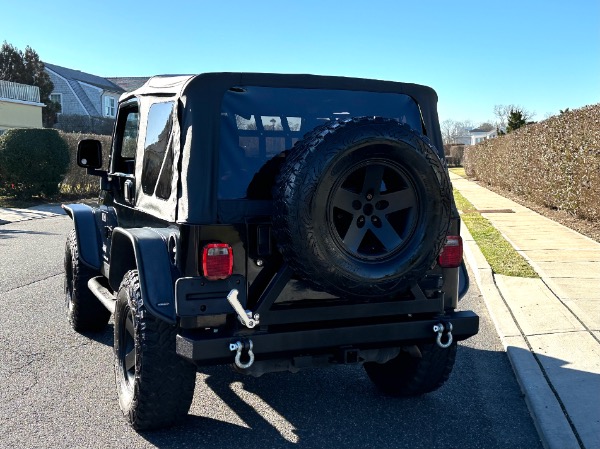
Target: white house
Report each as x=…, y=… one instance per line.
x=479, y=135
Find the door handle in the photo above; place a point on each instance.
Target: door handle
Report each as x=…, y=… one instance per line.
x=129, y=192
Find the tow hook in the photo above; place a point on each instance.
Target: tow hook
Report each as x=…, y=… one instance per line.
x=238, y=346
x=439, y=329
x=245, y=316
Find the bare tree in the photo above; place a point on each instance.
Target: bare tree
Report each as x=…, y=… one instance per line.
x=453, y=130
x=447, y=127
x=502, y=112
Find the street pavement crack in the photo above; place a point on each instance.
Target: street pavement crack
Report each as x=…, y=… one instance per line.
x=33, y=282
x=589, y=331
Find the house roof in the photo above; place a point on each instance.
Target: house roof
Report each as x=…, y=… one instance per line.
x=129, y=83
x=480, y=130
x=83, y=77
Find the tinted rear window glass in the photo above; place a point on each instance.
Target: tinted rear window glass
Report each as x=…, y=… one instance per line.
x=259, y=123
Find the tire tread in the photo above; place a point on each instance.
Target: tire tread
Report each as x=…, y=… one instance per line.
x=87, y=313
x=164, y=382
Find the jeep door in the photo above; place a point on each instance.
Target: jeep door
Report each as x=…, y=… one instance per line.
x=119, y=209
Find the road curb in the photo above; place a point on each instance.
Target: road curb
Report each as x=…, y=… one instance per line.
x=548, y=416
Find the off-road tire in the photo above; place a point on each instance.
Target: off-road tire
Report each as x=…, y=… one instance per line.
x=362, y=207
x=155, y=386
x=84, y=311
x=406, y=375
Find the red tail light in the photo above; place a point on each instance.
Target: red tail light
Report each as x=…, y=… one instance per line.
x=452, y=254
x=217, y=261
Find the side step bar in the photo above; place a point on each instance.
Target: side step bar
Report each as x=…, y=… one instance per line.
x=100, y=291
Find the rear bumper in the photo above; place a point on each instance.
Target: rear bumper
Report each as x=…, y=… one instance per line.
x=205, y=349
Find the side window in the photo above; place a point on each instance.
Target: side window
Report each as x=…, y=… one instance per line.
x=158, y=152
x=127, y=134
x=130, y=135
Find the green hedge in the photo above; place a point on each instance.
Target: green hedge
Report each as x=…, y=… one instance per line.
x=76, y=181
x=32, y=162
x=84, y=124
x=555, y=163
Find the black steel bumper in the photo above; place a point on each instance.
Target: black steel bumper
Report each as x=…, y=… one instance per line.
x=207, y=349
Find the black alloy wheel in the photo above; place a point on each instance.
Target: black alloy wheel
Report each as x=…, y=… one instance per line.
x=126, y=349
x=373, y=210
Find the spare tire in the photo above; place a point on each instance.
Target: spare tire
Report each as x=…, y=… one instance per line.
x=362, y=207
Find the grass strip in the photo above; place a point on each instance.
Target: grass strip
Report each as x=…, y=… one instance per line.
x=500, y=254
x=460, y=171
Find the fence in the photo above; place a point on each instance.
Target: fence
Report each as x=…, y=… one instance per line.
x=20, y=92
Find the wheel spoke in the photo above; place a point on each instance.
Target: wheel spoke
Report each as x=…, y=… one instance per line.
x=400, y=200
x=387, y=235
x=129, y=327
x=130, y=360
x=343, y=199
x=354, y=237
x=373, y=178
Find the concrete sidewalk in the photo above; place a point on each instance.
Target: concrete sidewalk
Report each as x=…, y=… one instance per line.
x=11, y=214
x=550, y=327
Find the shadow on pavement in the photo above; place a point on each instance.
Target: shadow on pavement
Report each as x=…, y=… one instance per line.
x=478, y=407
x=106, y=337
x=12, y=233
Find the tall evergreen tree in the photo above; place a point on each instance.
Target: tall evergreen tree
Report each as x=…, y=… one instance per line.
x=26, y=68
x=515, y=120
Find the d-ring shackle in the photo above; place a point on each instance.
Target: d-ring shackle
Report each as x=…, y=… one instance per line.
x=439, y=329
x=238, y=346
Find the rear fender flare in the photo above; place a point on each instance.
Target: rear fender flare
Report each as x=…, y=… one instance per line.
x=145, y=249
x=87, y=234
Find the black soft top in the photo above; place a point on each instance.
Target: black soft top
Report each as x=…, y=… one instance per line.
x=198, y=121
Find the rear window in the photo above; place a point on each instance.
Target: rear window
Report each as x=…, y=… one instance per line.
x=258, y=124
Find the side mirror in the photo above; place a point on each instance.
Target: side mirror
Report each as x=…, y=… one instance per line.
x=89, y=153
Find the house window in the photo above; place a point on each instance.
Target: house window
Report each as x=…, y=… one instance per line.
x=57, y=98
x=110, y=106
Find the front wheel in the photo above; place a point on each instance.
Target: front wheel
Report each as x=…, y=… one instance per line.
x=407, y=375
x=84, y=311
x=155, y=385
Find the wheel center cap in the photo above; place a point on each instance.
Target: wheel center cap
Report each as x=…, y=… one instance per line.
x=368, y=209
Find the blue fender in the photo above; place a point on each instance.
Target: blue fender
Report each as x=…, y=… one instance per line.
x=146, y=250
x=88, y=237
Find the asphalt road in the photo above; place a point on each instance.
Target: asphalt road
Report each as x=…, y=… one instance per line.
x=57, y=387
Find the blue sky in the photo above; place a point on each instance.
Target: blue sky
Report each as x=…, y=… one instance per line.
x=542, y=55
